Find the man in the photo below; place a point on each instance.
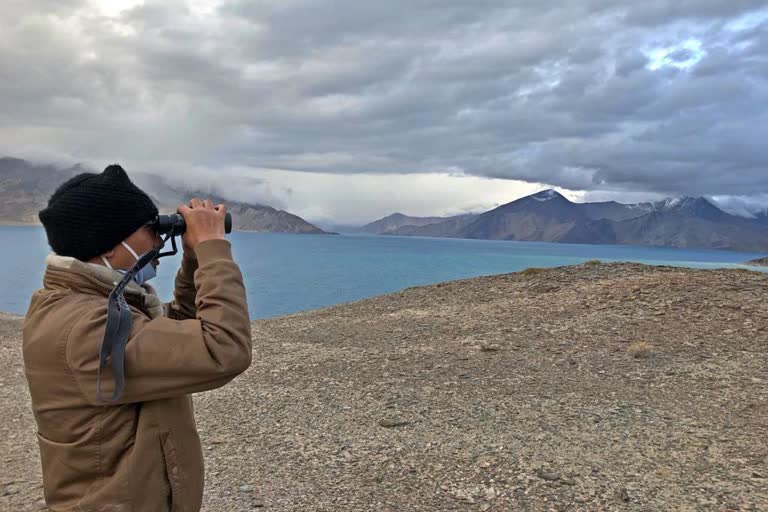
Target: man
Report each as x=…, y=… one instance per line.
x=140, y=452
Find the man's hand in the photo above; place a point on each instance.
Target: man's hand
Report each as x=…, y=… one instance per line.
x=204, y=222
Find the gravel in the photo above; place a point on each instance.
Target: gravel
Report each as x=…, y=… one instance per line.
x=508, y=392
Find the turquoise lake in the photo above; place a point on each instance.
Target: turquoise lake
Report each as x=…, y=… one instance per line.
x=287, y=273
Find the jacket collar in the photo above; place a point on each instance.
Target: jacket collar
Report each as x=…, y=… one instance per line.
x=66, y=273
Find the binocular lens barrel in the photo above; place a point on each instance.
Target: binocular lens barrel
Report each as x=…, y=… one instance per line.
x=175, y=225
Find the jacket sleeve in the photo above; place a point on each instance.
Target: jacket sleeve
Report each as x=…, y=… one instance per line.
x=183, y=307
x=165, y=357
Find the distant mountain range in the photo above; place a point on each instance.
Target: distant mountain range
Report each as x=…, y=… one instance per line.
x=684, y=222
x=547, y=216
x=397, y=222
x=245, y=216
x=261, y=218
x=25, y=188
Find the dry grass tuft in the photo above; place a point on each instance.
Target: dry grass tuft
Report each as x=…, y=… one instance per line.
x=532, y=271
x=640, y=349
x=591, y=263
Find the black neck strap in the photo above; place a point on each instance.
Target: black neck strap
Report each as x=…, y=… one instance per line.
x=119, y=323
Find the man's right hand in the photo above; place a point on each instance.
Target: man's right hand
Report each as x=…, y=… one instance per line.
x=204, y=222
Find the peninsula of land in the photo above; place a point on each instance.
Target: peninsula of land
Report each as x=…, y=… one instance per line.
x=593, y=387
x=25, y=188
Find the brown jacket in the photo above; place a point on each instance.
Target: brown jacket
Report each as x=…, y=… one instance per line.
x=141, y=453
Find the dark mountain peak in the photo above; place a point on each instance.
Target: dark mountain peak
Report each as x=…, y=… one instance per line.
x=393, y=222
x=681, y=203
x=695, y=206
x=216, y=199
x=547, y=195
x=545, y=199
x=9, y=160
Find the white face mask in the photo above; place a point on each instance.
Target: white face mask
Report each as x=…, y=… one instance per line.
x=144, y=274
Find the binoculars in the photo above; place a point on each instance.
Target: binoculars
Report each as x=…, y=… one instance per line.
x=174, y=224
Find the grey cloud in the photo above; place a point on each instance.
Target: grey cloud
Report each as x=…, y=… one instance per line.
x=655, y=12
x=630, y=63
x=173, y=181
x=39, y=7
x=681, y=55
x=746, y=206
x=565, y=93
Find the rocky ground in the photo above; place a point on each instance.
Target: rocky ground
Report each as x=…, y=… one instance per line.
x=763, y=262
x=596, y=387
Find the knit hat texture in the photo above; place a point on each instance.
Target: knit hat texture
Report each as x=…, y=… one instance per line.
x=92, y=213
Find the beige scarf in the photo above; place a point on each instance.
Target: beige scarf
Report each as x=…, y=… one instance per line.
x=146, y=292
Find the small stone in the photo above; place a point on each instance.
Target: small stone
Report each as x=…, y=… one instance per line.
x=624, y=494
x=567, y=481
x=547, y=475
x=755, y=474
x=10, y=490
x=393, y=422
x=39, y=505
x=488, y=347
x=247, y=488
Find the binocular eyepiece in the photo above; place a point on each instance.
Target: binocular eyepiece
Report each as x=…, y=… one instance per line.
x=175, y=225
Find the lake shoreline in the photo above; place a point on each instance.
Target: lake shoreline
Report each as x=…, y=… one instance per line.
x=286, y=273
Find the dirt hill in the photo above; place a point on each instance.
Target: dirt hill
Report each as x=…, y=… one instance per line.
x=595, y=387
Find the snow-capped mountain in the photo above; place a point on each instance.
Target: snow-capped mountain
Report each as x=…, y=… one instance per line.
x=548, y=216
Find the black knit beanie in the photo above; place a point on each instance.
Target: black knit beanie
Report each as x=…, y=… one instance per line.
x=92, y=213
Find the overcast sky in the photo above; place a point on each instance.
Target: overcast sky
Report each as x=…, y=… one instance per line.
x=351, y=109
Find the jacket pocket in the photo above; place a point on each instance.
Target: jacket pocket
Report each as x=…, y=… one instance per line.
x=173, y=472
